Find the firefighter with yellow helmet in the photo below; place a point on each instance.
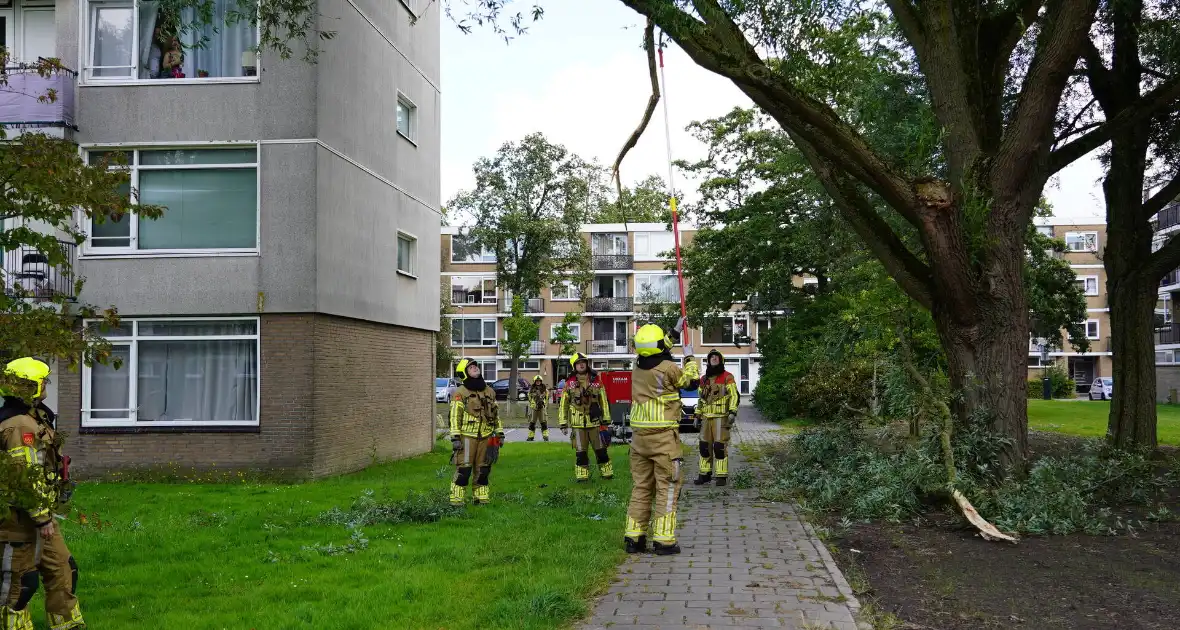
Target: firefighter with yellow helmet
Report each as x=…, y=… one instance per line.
x=716, y=414
x=33, y=543
x=538, y=401
x=656, y=457
x=584, y=408
x=476, y=433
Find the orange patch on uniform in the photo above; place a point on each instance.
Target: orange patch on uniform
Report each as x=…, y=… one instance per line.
x=27, y=438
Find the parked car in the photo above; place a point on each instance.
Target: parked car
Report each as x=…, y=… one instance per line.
x=1102, y=388
x=444, y=388
x=558, y=390
x=688, y=405
x=501, y=389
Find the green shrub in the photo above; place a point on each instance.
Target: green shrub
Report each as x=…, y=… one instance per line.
x=1061, y=384
x=417, y=507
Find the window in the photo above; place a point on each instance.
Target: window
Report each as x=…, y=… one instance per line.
x=407, y=254
x=473, y=290
x=528, y=365
x=1081, y=241
x=608, y=244
x=653, y=245
x=566, y=291
x=140, y=40
x=1045, y=230
x=1089, y=285
x=176, y=372
x=1092, y=329
x=407, y=119
x=575, y=331
x=651, y=287
x=211, y=196
x=1165, y=357
x=473, y=332
x=1035, y=362
x=465, y=251
x=727, y=330
x=610, y=286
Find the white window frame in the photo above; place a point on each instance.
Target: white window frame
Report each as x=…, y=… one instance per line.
x=1168, y=358
x=85, y=52
x=506, y=365
x=639, y=275
x=1085, y=280
x=1045, y=230
x=132, y=365
x=576, y=329
x=1085, y=236
x=412, y=113
x=494, y=339
x=1097, y=329
x=734, y=317
x=487, y=257
x=132, y=251
x=645, y=238
x=495, y=293
x=413, y=241
x=573, y=290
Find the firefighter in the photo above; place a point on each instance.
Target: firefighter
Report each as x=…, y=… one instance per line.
x=476, y=433
x=656, y=456
x=27, y=432
x=716, y=414
x=538, y=400
x=583, y=408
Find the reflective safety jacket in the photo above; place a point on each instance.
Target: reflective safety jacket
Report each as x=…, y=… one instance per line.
x=580, y=395
x=719, y=395
x=35, y=447
x=475, y=414
x=655, y=394
x=538, y=397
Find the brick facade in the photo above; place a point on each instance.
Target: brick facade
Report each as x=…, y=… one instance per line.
x=335, y=392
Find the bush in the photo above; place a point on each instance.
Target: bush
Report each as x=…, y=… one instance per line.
x=830, y=388
x=1060, y=383
x=417, y=507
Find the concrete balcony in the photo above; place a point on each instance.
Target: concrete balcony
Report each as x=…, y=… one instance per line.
x=1168, y=334
x=36, y=102
x=1168, y=217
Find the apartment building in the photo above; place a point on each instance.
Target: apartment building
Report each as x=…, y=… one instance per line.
x=629, y=264
x=1084, y=243
x=1167, y=332
x=273, y=318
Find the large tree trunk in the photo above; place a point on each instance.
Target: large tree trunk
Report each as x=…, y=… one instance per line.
x=1132, y=300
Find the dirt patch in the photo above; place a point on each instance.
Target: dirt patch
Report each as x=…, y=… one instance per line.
x=936, y=575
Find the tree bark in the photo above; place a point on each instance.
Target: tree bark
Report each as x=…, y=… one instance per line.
x=1132, y=298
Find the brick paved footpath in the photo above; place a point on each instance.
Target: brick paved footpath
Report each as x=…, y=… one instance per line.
x=745, y=563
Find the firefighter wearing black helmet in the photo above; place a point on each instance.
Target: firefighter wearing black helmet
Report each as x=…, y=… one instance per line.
x=584, y=408
x=476, y=433
x=716, y=414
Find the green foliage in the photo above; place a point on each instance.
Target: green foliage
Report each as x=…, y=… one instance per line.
x=651, y=308
x=444, y=355
x=1055, y=299
x=416, y=507
x=1060, y=384
x=520, y=331
x=563, y=334
x=870, y=475
x=645, y=202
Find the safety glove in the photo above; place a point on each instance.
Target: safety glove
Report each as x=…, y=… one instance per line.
x=696, y=420
x=456, y=443
x=731, y=420
x=565, y=430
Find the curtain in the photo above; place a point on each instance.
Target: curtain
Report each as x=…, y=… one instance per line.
x=203, y=380
x=221, y=55
x=110, y=388
x=149, y=52
x=207, y=208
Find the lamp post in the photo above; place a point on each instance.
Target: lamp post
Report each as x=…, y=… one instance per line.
x=1046, y=383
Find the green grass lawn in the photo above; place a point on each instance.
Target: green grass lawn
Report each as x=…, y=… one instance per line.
x=1089, y=418
x=253, y=556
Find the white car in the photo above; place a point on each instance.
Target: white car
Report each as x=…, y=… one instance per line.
x=444, y=388
x=1102, y=388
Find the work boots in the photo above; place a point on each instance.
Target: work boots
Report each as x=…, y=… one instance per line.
x=636, y=546
x=721, y=481
x=704, y=478
x=661, y=549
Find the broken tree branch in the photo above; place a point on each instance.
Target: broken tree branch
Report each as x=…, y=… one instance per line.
x=649, y=44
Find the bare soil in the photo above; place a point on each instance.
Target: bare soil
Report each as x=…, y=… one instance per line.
x=936, y=575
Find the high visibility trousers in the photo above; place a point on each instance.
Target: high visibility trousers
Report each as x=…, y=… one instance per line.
x=537, y=416
x=59, y=572
x=472, y=458
x=584, y=440
x=18, y=574
x=714, y=440
x=656, y=478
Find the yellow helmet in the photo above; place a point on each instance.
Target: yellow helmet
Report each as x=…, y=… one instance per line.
x=461, y=368
x=651, y=340
x=578, y=356
x=29, y=369
x=537, y=378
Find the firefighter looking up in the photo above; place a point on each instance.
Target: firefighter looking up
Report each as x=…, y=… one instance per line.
x=583, y=408
x=28, y=434
x=538, y=400
x=716, y=414
x=656, y=456
x=476, y=433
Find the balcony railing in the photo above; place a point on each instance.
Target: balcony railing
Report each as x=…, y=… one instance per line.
x=29, y=275
x=531, y=305
x=535, y=347
x=1168, y=334
x=1168, y=217
x=22, y=105
x=1172, y=277
x=610, y=305
x=606, y=346
x=616, y=262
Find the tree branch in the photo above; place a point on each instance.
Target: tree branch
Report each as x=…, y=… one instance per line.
x=910, y=22
x=649, y=43
x=1058, y=48
x=1162, y=197
x=1101, y=83
x=717, y=44
x=1155, y=101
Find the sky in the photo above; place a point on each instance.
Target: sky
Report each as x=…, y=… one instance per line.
x=580, y=77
